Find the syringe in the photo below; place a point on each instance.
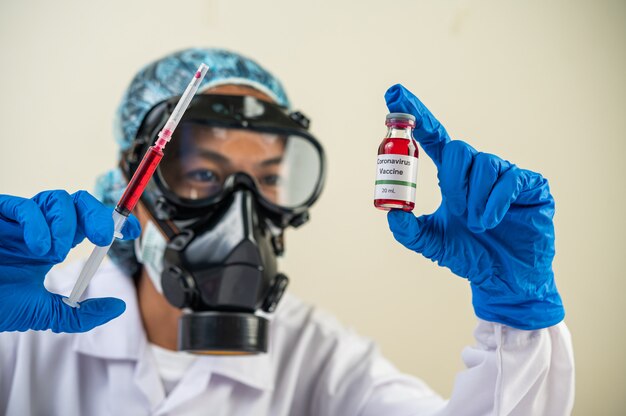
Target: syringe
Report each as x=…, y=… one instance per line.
x=136, y=186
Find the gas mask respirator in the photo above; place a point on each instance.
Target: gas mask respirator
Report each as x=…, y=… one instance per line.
x=237, y=173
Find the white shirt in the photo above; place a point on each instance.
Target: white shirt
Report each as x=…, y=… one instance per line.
x=314, y=367
x=171, y=365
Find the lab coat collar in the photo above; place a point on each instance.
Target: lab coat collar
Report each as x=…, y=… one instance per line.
x=124, y=338
x=254, y=371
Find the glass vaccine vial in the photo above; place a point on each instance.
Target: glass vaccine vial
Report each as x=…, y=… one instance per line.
x=396, y=165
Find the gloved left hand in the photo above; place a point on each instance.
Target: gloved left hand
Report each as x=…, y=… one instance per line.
x=36, y=234
x=493, y=227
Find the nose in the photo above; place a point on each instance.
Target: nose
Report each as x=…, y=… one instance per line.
x=239, y=181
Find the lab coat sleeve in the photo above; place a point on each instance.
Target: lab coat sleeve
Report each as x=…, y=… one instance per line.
x=515, y=372
x=509, y=372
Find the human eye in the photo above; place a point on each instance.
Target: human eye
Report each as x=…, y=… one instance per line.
x=271, y=180
x=202, y=175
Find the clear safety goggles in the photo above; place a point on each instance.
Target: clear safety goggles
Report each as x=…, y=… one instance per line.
x=227, y=141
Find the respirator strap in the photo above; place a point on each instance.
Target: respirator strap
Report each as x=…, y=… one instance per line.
x=167, y=226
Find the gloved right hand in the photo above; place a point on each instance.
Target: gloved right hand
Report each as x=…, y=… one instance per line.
x=36, y=234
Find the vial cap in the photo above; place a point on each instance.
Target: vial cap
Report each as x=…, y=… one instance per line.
x=400, y=120
x=400, y=116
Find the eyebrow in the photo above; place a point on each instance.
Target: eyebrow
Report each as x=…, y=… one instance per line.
x=208, y=154
x=274, y=161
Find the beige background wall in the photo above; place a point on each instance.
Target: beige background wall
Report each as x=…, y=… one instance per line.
x=541, y=83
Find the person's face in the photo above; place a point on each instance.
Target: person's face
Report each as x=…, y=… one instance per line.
x=201, y=157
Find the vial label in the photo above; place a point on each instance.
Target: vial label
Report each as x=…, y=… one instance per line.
x=396, y=177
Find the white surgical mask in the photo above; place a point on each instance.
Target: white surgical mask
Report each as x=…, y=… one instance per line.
x=149, y=249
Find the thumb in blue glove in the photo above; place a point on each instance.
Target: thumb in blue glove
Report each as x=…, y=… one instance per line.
x=36, y=234
x=493, y=227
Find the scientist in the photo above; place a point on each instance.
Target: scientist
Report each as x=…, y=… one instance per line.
x=243, y=167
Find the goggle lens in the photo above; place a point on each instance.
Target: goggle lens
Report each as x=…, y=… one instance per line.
x=286, y=168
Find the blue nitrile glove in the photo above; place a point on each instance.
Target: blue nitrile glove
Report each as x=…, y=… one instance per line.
x=36, y=234
x=494, y=225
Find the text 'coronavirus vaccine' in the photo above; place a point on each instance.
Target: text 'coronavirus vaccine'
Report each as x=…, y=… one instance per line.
x=396, y=165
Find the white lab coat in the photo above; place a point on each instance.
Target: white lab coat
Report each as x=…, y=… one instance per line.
x=314, y=367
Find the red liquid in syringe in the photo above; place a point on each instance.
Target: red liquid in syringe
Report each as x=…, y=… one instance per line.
x=139, y=180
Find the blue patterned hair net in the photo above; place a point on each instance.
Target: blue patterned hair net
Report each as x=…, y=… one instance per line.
x=163, y=79
x=169, y=76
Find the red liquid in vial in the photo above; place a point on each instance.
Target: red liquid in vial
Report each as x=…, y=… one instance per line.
x=139, y=180
x=397, y=146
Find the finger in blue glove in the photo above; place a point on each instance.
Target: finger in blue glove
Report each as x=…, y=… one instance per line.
x=28, y=215
x=96, y=223
x=428, y=131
